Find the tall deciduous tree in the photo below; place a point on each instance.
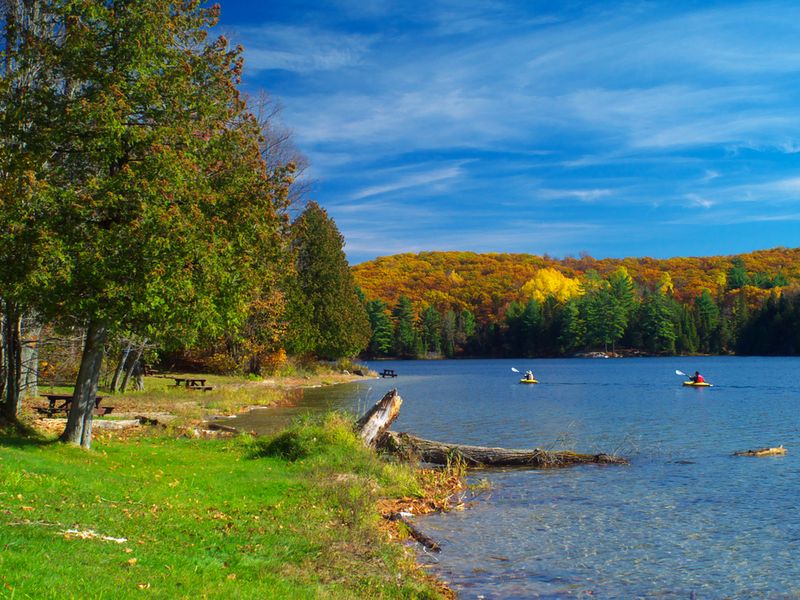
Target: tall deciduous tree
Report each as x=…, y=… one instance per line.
x=335, y=316
x=165, y=219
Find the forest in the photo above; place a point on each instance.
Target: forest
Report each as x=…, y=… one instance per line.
x=445, y=304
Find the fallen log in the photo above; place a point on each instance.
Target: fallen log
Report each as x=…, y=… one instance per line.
x=779, y=451
x=439, y=453
x=379, y=418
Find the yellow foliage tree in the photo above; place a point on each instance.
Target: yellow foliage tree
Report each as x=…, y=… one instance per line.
x=550, y=282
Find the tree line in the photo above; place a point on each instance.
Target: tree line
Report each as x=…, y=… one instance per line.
x=144, y=198
x=611, y=313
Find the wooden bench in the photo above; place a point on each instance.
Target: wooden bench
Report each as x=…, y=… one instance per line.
x=389, y=373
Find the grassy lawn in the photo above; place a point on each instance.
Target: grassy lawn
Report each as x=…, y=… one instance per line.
x=289, y=517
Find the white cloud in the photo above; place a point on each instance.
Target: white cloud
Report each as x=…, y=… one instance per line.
x=303, y=50
x=696, y=200
x=410, y=180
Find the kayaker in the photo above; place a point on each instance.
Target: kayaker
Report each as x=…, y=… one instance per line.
x=697, y=378
x=529, y=375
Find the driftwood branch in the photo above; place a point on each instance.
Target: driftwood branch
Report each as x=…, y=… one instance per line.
x=415, y=533
x=379, y=418
x=480, y=456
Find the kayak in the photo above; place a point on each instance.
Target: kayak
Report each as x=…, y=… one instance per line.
x=694, y=384
x=528, y=381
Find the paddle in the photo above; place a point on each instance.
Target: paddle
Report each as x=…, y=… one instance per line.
x=515, y=370
x=680, y=373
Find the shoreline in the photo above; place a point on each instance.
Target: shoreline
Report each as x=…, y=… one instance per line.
x=437, y=487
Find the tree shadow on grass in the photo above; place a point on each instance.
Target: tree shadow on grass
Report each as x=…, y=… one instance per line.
x=15, y=434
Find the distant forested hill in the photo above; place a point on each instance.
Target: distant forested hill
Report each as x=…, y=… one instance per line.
x=495, y=290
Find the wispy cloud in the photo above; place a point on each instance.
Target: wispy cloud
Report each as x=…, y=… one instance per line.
x=697, y=200
x=581, y=112
x=410, y=180
x=302, y=50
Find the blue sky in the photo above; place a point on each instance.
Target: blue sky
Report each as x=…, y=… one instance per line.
x=618, y=129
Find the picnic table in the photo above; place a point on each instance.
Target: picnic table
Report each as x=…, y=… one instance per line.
x=389, y=373
x=65, y=400
x=192, y=383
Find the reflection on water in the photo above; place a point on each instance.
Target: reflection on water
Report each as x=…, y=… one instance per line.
x=686, y=518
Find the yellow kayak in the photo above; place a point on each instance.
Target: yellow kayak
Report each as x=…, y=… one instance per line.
x=694, y=384
x=528, y=381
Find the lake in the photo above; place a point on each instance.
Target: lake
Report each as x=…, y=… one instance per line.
x=686, y=519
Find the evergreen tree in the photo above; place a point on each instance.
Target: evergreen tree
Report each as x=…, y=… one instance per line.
x=405, y=336
x=737, y=274
x=382, y=330
x=707, y=317
x=430, y=330
x=530, y=324
x=466, y=330
x=657, y=323
x=572, y=326
x=157, y=212
x=337, y=318
x=448, y=333
x=687, y=340
x=514, y=330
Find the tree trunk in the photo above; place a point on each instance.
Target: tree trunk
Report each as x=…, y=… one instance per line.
x=79, y=422
x=132, y=364
x=479, y=456
x=30, y=358
x=379, y=418
x=12, y=364
x=120, y=367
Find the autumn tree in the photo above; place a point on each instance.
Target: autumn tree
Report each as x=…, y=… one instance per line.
x=336, y=317
x=165, y=220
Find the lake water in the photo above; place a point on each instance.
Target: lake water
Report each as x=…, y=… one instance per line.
x=685, y=520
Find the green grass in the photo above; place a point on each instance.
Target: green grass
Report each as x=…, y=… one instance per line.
x=292, y=517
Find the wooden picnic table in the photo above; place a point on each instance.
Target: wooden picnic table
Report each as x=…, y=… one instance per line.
x=192, y=383
x=389, y=373
x=189, y=381
x=66, y=400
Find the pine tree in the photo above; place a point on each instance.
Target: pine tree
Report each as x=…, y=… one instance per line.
x=657, y=323
x=382, y=332
x=430, y=330
x=707, y=317
x=448, y=333
x=336, y=317
x=405, y=335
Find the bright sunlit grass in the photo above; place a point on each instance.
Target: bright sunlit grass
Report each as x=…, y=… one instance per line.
x=291, y=517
